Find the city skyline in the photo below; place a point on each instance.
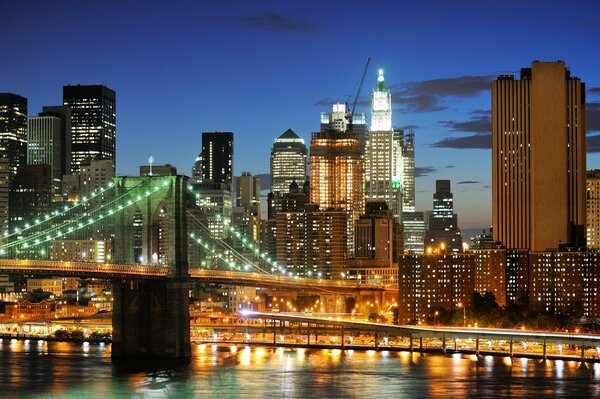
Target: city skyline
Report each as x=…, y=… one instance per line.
x=248, y=80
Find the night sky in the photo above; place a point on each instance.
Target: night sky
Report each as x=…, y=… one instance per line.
x=258, y=68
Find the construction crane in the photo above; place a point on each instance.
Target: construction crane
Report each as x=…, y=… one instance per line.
x=350, y=115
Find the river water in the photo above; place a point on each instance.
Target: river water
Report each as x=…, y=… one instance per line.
x=39, y=369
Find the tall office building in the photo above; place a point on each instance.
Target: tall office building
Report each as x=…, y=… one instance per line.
x=408, y=171
x=538, y=158
x=49, y=142
x=4, y=195
x=593, y=209
x=247, y=193
x=443, y=228
x=414, y=227
x=383, y=152
x=93, y=123
x=217, y=157
x=13, y=131
x=288, y=162
x=337, y=175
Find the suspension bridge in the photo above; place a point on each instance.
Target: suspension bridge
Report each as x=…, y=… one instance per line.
x=158, y=228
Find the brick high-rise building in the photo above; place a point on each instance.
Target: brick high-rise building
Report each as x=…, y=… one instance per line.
x=539, y=158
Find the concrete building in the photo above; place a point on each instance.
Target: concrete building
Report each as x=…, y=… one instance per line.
x=443, y=228
x=408, y=171
x=593, y=209
x=53, y=285
x=4, y=195
x=539, y=158
x=247, y=193
x=91, y=176
x=377, y=235
x=31, y=194
x=312, y=242
x=49, y=142
x=158, y=170
x=81, y=250
x=289, y=157
x=214, y=202
x=93, y=123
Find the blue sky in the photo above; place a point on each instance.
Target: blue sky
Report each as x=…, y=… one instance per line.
x=258, y=68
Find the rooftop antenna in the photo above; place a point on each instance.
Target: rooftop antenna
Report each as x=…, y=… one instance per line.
x=150, y=161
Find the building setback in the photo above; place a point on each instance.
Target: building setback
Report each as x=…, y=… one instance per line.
x=538, y=158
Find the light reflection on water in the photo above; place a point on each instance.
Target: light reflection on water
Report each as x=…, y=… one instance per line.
x=57, y=370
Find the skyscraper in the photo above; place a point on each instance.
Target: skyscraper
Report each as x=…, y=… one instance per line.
x=288, y=162
x=247, y=192
x=384, y=152
x=13, y=131
x=443, y=228
x=408, y=171
x=49, y=142
x=593, y=209
x=93, y=123
x=337, y=175
x=217, y=157
x=538, y=158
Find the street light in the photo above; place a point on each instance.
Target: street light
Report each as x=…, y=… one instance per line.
x=435, y=315
x=460, y=305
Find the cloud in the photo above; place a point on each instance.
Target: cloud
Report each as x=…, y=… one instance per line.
x=274, y=22
x=326, y=102
x=409, y=127
x=428, y=95
x=468, y=182
x=593, y=143
x=450, y=166
x=424, y=171
x=594, y=91
x=593, y=116
x=476, y=141
x=479, y=124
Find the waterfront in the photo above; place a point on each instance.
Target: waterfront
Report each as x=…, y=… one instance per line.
x=40, y=369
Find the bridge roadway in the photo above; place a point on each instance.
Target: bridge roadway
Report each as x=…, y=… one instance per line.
x=445, y=334
x=111, y=270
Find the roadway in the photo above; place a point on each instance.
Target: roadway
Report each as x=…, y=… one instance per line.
x=121, y=271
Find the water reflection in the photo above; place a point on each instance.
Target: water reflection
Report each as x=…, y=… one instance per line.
x=52, y=369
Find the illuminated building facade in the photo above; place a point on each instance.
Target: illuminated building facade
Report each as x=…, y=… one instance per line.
x=217, y=157
x=93, y=123
x=383, y=153
x=289, y=157
x=538, y=158
x=49, y=142
x=337, y=175
x=408, y=171
x=216, y=206
x=81, y=250
x=13, y=131
x=443, y=228
x=4, y=194
x=312, y=242
x=593, y=209
x=414, y=225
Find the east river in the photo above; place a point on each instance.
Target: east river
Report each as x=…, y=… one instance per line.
x=40, y=369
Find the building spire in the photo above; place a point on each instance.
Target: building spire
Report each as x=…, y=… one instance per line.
x=381, y=81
